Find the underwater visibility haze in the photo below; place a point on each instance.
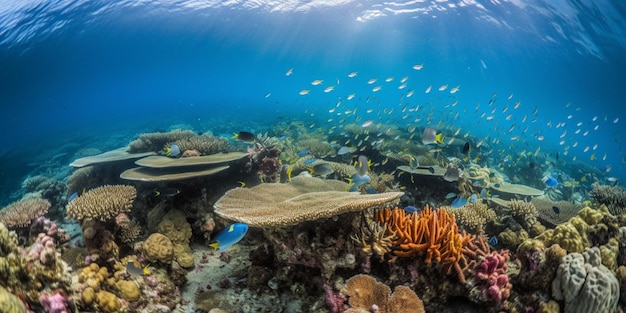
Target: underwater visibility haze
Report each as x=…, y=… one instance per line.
x=531, y=91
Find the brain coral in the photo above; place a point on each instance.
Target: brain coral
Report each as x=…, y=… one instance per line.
x=159, y=248
x=585, y=284
x=102, y=203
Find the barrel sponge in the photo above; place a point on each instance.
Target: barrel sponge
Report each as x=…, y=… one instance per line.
x=585, y=284
x=159, y=248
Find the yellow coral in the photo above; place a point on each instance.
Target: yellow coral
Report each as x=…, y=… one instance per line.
x=108, y=302
x=128, y=290
x=609, y=253
x=159, y=248
x=88, y=296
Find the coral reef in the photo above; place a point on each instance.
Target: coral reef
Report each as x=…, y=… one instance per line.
x=155, y=141
x=23, y=212
x=176, y=228
x=431, y=234
x=102, y=203
x=555, y=213
x=586, y=285
x=473, y=216
x=158, y=248
x=491, y=282
x=204, y=144
x=614, y=197
x=366, y=294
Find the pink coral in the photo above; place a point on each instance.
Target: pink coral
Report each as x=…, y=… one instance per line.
x=335, y=301
x=55, y=303
x=491, y=281
x=43, y=249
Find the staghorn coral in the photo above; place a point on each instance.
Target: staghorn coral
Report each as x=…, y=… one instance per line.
x=473, y=216
x=369, y=295
x=586, y=285
x=205, y=144
x=305, y=198
x=102, y=203
x=155, y=141
x=546, y=210
x=23, y=212
x=614, y=197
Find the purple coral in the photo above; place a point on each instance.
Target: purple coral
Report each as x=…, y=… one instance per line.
x=492, y=281
x=43, y=250
x=55, y=303
x=334, y=300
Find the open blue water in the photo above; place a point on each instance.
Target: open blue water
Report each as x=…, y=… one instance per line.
x=80, y=74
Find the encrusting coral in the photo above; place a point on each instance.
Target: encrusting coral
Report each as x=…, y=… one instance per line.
x=23, y=212
x=366, y=294
x=102, y=203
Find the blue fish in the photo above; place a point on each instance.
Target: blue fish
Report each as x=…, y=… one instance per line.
x=458, y=202
x=484, y=194
x=310, y=161
x=229, y=236
x=72, y=197
x=358, y=180
x=304, y=152
x=493, y=241
x=549, y=181
x=410, y=209
x=171, y=151
x=473, y=198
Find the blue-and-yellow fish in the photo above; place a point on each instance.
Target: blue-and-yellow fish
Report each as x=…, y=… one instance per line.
x=229, y=236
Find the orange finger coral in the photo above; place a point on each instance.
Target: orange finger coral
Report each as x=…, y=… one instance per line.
x=432, y=234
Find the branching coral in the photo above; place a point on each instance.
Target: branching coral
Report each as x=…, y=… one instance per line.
x=614, y=197
x=205, y=144
x=23, y=212
x=473, y=216
x=155, y=141
x=102, y=203
x=374, y=238
x=431, y=234
x=491, y=283
x=524, y=212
